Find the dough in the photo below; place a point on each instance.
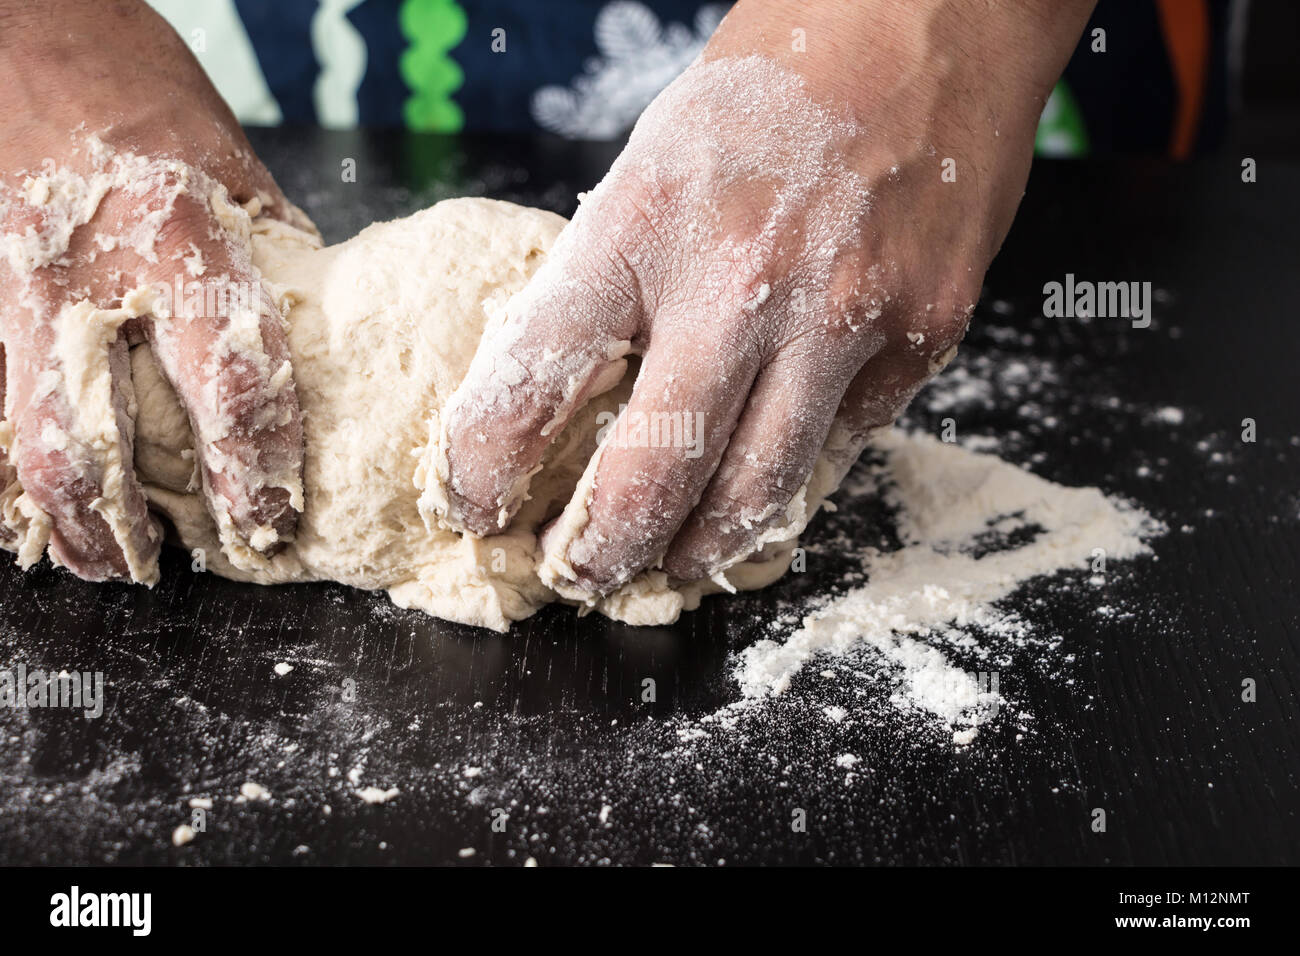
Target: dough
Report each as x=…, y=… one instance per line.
x=382, y=329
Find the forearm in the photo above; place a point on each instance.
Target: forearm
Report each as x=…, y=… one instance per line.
x=115, y=65
x=56, y=26
x=912, y=54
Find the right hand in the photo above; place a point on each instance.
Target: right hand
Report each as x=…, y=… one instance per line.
x=779, y=242
x=121, y=168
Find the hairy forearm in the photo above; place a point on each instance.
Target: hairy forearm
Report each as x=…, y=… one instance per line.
x=118, y=60
x=65, y=24
x=880, y=53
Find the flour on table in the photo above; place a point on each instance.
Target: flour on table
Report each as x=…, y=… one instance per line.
x=954, y=507
x=374, y=794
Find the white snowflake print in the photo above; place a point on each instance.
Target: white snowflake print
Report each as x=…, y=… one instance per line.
x=639, y=57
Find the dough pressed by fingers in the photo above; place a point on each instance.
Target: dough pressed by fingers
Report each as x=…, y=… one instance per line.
x=382, y=329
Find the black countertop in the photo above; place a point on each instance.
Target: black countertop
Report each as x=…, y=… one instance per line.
x=544, y=731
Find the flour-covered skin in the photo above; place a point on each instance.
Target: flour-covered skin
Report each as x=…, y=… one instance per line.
x=126, y=207
x=374, y=340
x=780, y=244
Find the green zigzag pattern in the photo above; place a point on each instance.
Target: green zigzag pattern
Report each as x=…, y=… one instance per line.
x=1061, y=129
x=434, y=28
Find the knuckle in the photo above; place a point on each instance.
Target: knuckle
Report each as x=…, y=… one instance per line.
x=19, y=218
x=738, y=336
x=740, y=276
x=658, y=496
x=605, y=286
x=755, y=495
x=840, y=318
x=642, y=200
x=935, y=326
x=184, y=225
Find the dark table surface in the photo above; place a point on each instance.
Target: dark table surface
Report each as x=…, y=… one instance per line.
x=544, y=729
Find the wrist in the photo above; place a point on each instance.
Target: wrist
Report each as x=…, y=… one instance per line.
x=913, y=55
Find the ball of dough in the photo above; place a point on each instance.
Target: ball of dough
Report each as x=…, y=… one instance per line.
x=381, y=330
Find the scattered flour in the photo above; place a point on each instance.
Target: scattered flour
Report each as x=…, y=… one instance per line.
x=953, y=504
x=253, y=791
x=377, y=795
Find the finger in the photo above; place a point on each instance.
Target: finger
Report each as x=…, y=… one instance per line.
x=758, y=495
x=792, y=448
x=889, y=381
x=69, y=408
x=222, y=344
x=877, y=396
x=654, y=461
x=560, y=341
